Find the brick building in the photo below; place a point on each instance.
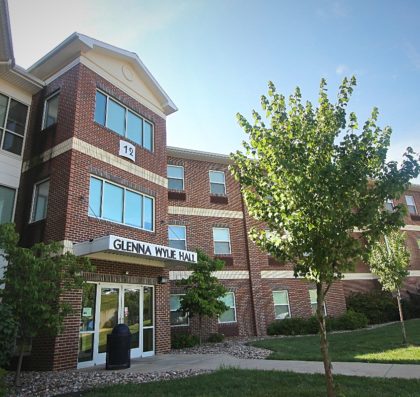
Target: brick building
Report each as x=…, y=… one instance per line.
x=95, y=173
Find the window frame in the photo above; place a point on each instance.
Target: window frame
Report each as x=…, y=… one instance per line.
x=127, y=109
x=222, y=241
x=409, y=205
x=35, y=189
x=183, y=177
x=44, y=114
x=185, y=233
x=315, y=302
x=288, y=303
x=218, y=183
x=15, y=189
x=231, y=307
x=103, y=180
x=170, y=311
x=3, y=128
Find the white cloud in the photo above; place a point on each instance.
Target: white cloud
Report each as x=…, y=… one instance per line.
x=341, y=69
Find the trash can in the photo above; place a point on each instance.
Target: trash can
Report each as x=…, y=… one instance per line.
x=118, y=347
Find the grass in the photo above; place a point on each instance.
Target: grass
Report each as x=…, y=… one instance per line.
x=243, y=383
x=380, y=345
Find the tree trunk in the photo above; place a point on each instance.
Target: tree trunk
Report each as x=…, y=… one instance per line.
x=200, y=328
x=323, y=339
x=19, y=364
x=401, y=317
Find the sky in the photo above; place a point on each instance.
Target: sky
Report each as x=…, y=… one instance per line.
x=215, y=57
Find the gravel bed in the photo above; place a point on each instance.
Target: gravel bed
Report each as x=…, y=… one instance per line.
x=235, y=347
x=47, y=384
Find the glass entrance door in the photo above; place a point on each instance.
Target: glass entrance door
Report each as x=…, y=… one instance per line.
x=106, y=305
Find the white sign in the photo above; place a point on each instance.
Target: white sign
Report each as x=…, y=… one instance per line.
x=122, y=244
x=130, y=247
x=87, y=312
x=127, y=150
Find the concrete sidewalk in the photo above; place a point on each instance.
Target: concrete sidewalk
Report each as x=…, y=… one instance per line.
x=179, y=362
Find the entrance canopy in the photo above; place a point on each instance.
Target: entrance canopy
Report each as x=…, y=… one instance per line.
x=121, y=249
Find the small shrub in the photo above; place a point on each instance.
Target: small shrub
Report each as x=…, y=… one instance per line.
x=2, y=382
x=378, y=306
x=348, y=321
x=7, y=334
x=411, y=306
x=216, y=338
x=182, y=341
x=291, y=326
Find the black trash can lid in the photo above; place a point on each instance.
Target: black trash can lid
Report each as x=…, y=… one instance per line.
x=121, y=330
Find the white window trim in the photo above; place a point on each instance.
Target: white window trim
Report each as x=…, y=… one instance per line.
x=14, y=199
x=231, y=307
x=411, y=205
x=124, y=190
x=3, y=127
x=31, y=218
x=315, y=302
x=127, y=109
x=183, y=176
x=288, y=303
x=44, y=113
x=218, y=183
x=188, y=317
x=179, y=239
x=222, y=241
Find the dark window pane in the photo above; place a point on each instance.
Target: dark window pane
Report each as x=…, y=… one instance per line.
x=217, y=188
x=7, y=200
x=134, y=127
x=148, y=213
x=147, y=136
x=88, y=308
x=3, y=109
x=221, y=248
x=95, y=195
x=112, y=206
x=13, y=143
x=41, y=201
x=175, y=184
x=133, y=207
x=85, y=347
x=51, y=111
x=179, y=244
x=148, y=340
x=16, y=119
x=147, y=306
x=100, y=108
x=116, y=117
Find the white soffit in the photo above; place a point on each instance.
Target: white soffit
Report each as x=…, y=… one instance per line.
x=76, y=44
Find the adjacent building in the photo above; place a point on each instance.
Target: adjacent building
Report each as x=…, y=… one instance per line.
x=85, y=160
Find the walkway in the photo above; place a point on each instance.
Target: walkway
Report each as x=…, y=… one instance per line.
x=179, y=362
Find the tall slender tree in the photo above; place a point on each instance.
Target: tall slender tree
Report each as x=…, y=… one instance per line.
x=314, y=178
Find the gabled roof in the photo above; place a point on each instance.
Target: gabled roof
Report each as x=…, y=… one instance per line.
x=77, y=43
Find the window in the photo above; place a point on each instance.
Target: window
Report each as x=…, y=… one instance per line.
x=123, y=121
x=221, y=239
x=389, y=205
x=177, y=317
x=229, y=316
x=313, y=296
x=217, y=182
x=411, y=205
x=50, y=111
x=13, y=115
x=7, y=203
x=175, y=177
x=177, y=237
x=281, y=304
x=40, y=201
x=118, y=204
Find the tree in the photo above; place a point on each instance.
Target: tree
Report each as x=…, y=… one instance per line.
x=389, y=260
x=312, y=178
x=35, y=280
x=203, y=290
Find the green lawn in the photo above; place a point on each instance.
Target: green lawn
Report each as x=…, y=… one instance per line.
x=243, y=383
x=382, y=345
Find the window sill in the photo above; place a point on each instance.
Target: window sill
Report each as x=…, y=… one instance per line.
x=177, y=195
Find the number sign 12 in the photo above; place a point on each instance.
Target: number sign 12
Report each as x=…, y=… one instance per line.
x=127, y=150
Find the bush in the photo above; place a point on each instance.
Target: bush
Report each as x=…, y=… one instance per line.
x=7, y=334
x=216, y=338
x=309, y=326
x=411, y=306
x=181, y=341
x=2, y=382
x=378, y=306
